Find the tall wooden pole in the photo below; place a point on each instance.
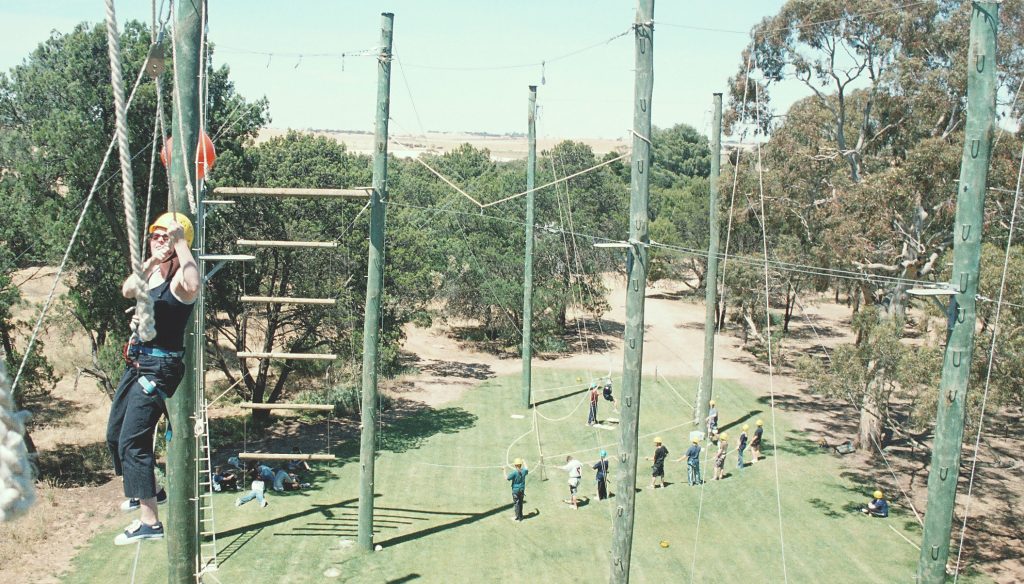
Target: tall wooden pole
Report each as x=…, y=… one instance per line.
x=636, y=268
x=956, y=363
x=531, y=171
x=374, y=285
x=182, y=473
x=707, y=378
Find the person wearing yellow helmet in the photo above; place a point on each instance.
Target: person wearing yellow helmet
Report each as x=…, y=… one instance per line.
x=154, y=370
x=878, y=506
x=755, y=444
x=723, y=449
x=712, y=421
x=741, y=446
x=518, y=478
x=692, y=457
x=658, y=468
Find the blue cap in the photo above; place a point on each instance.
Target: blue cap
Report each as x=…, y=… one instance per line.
x=604, y=453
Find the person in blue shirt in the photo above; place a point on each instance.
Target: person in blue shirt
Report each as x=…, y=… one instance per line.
x=878, y=507
x=518, y=479
x=692, y=457
x=601, y=467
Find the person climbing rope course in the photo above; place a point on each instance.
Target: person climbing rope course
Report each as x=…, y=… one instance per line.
x=153, y=371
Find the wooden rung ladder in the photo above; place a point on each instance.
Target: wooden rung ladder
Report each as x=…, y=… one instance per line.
x=311, y=407
x=292, y=456
x=297, y=356
x=286, y=244
x=357, y=193
x=288, y=300
x=207, y=529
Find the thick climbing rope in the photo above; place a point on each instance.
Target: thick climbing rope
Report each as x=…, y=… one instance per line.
x=146, y=328
x=17, y=492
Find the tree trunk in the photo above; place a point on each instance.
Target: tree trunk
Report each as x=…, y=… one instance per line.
x=871, y=426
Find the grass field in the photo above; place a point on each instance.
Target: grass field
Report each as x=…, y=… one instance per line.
x=443, y=507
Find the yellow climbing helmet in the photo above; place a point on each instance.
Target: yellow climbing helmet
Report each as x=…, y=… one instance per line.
x=877, y=494
x=164, y=222
x=518, y=462
x=746, y=427
x=657, y=440
x=723, y=437
x=760, y=423
x=711, y=403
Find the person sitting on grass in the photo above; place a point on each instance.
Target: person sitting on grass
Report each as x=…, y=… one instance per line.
x=658, y=468
x=257, y=488
x=575, y=470
x=297, y=465
x=877, y=507
x=223, y=481
x=692, y=457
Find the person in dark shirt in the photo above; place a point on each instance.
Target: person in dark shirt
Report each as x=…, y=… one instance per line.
x=741, y=446
x=518, y=479
x=755, y=444
x=658, y=468
x=607, y=392
x=878, y=506
x=224, y=481
x=601, y=467
x=692, y=457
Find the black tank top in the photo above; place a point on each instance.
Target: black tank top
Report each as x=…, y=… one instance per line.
x=171, y=316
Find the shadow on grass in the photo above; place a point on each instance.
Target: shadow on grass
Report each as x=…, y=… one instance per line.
x=560, y=397
x=412, y=422
x=739, y=420
x=75, y=465
x=403, y=579
x=466, y=519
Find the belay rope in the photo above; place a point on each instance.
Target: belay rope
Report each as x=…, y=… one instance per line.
x=146, y=328
x=17, y=492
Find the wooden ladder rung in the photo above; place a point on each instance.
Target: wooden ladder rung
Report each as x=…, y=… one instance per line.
x=292, y=456
x=254, y=406
x=298, y=356
x=288, y=300
x=357, y=193
x=274, y=243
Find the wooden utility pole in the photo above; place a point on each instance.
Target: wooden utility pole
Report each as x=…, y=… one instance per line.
x=531, y=171
x=374, y=285
x=636, y=273
x=182, y=477
x=956, y=362
x=182, y=472
x=707, y=378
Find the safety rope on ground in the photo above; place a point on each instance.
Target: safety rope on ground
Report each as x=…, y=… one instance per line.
x=146, y=329
x=17, y=490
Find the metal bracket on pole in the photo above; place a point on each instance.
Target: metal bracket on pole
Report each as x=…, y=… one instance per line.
x=221, y=261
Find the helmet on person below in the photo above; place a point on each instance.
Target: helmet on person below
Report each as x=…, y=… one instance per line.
x=723, y=437
x=164, y=221
x=877, y=494
x=603, y=453
x=657, y=440
x=760, y=422
x=746, y=427
x=712, y=402
x=695, y=440
x=518, y=462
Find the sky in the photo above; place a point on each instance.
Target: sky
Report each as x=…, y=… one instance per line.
x=461, y=65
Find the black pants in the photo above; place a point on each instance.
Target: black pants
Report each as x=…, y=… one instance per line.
x=133, y=418
x=602, y=489
x=517, y=502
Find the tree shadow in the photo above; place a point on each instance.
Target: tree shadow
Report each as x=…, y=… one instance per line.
x=458, y=369
x=76, y=465
x=409, y=423
x=825, y=507
x=47, y=410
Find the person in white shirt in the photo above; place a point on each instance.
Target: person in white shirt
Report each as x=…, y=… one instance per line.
x=575, y=470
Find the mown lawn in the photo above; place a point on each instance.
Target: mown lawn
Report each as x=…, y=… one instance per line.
x=443, y=507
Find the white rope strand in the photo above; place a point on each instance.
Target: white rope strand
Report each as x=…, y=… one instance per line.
x=146, y=328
